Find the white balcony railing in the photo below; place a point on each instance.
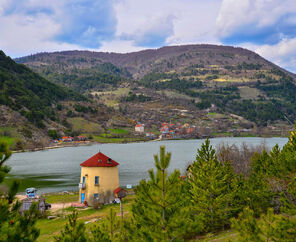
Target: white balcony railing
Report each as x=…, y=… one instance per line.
x=82, y=185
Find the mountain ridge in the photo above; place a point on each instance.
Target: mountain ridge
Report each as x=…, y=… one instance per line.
x=121, y=59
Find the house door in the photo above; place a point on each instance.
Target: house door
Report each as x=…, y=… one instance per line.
x=82, y=197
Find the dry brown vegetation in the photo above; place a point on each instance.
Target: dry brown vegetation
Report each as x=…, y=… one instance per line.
x=239, y=157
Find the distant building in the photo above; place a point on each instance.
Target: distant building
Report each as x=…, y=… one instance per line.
x=99, y=178
x=80, y=138
x=150, y=135
x=67, y=139
x=139, y=128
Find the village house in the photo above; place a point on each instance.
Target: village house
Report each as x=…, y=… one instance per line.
x=80, y=138
x=176, y=131
x=150, y=135
x=67, y=139
x=139, y=128
x=99, y=178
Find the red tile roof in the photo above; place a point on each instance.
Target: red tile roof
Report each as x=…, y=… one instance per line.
x=117, y=190
x=99, y=160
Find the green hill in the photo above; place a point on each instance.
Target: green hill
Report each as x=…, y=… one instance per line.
x=28, y=93
x=224, y=90
x=33, y=110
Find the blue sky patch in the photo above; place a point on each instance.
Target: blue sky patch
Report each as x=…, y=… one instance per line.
x=87, y=23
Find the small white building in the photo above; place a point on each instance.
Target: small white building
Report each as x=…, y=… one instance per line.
x=139, y=128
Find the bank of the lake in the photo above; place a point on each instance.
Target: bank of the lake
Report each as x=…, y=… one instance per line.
x=56, y=170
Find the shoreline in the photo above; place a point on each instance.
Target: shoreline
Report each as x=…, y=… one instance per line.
x=86, y=143
x=89, y=143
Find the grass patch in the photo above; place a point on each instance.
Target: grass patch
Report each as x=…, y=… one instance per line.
x=61, y=198
x=119, y=131
x=226, y=79
x=111, y=98
x=215, y=115
x=172, y=94
x=117, y=92
x=83, y=126
x=249, y=135
x=8, y=140
x=50, y=228
x=249, y=93
x=222, y=134
x=106, y=139
x=102, y=139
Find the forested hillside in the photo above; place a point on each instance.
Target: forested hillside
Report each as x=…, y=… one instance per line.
x=200, y=78
x=33, y=108
x=28, y=93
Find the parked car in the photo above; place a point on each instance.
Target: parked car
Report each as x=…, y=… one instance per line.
x=31, y=192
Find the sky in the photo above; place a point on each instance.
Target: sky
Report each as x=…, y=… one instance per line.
x=267, y=27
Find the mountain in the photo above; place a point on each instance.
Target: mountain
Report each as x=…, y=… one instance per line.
x=29, y=93
x=32, y=107
x=204, y=79
x=140, y=63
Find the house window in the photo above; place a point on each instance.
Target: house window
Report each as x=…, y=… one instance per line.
x=96, y=196
x=96, y=180
x=83, y=179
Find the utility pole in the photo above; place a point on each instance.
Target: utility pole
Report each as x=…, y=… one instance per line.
x=121, y=209
x=121, y=193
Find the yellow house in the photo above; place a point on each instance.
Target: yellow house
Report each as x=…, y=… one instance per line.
x=99, y=178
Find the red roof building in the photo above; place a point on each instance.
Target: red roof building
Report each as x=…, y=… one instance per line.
x=67, y=139
x=99, y=160
x=139, y=128
x=119, y=192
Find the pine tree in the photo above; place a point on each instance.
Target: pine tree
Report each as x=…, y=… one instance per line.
x=113, y=223
x=159, y=211
x=278, y=227
x=288, y=199
x=212, y=188
x=109, y=230
x=98, y=234
x=247, y=226
x=257, y=194
x=74, y=231
x=13, y=226
x=270, y=226
x=22, y=227
x=5, y=153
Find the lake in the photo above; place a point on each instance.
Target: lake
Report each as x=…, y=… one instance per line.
x=58, y=169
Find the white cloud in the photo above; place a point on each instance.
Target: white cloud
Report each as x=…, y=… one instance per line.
x=119, y=46
x=29, y=36
x=258, y=13
x=193, y=21
x=267, y=27
x=32, y=26
x=3, y=5
x=282, y=53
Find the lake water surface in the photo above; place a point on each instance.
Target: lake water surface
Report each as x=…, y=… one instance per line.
x=58, y=169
